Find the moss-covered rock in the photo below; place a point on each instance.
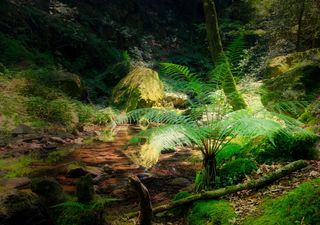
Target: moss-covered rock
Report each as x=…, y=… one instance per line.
x=139, y=89
x=295, y=88
x=281, y=64
x=85, y=190
x=49, y=190
x=299, y=206
x=211, y=212
x=19, y=207
x=69, y=83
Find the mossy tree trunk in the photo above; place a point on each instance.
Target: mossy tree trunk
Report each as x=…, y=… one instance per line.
x=218, y=56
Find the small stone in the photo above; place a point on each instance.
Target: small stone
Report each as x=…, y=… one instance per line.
x=180, y=181
x=57, y=140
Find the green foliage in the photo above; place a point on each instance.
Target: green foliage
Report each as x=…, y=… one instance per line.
x=16, y=167
x=233, y=172
x=14, y=52
x=299, y=206
x=228, y=152
x=104, y=116
x=76, y=213
x=183, y=209
x=58, y=111
x=211, y=212
x=85, y=190
x=286, y=146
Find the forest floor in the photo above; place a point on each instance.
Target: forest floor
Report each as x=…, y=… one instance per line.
x=110, y=162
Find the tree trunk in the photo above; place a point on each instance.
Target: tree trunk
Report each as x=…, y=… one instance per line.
x=298, y=45
x=218, y=56
x=209, y=171
x=253, y=184
x=145, y=217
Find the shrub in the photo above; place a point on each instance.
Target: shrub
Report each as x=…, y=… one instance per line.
x=234, y=171
x=211, y=212
x=297, y=145
x=228, y=152
x=59, y=111
x=299, y=206
x=104, y=116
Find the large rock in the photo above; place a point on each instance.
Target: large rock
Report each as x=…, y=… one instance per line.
x=70, y=83
x=49, y=190
x=298, y=85
x=281, y=64
x=19, y=207
x=139, y=89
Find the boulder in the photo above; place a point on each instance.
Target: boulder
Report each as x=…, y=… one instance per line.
x=49, y=190
x=281, y=64
x=20, y=207
x=297, y=85
x=70, y=83
x=141, y=88
x=177, y=100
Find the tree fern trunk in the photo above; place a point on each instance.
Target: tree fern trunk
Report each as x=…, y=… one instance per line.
x=210, y=171
x=218, y=56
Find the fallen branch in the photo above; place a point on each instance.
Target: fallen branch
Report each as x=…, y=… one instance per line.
x=145, y=217
x=253, y=184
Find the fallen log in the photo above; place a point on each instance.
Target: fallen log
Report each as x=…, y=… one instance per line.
x=214, y=194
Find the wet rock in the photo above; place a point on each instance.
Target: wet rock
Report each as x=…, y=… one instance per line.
x=76, y=172
x=57, y=140
x=15, y=183
x=19, y=207
x=49, y=190
x=180, y=181
x=49, y=147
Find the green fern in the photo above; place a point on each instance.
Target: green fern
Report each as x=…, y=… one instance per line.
x=76, y=213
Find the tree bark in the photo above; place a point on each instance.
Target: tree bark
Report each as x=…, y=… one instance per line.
x=218, y=56
x=298, y=45
x=146, y=214
x=254, y=184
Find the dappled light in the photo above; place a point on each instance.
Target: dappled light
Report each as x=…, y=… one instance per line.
x=159, y=112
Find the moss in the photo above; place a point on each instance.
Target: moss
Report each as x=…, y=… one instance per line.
x=235, y=170
x=281, y=64
x=16, y=167
x=285, y=146
x=211, y=212
x=289, y=93
x=299, y=206
x=228, y=152
x=140, y=88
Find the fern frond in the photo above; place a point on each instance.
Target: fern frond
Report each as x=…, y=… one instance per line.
x=153, y=115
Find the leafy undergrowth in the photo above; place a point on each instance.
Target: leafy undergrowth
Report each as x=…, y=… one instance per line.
x=28, y=97
x=299, y=206
x=211, y=212
x=247, y=203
